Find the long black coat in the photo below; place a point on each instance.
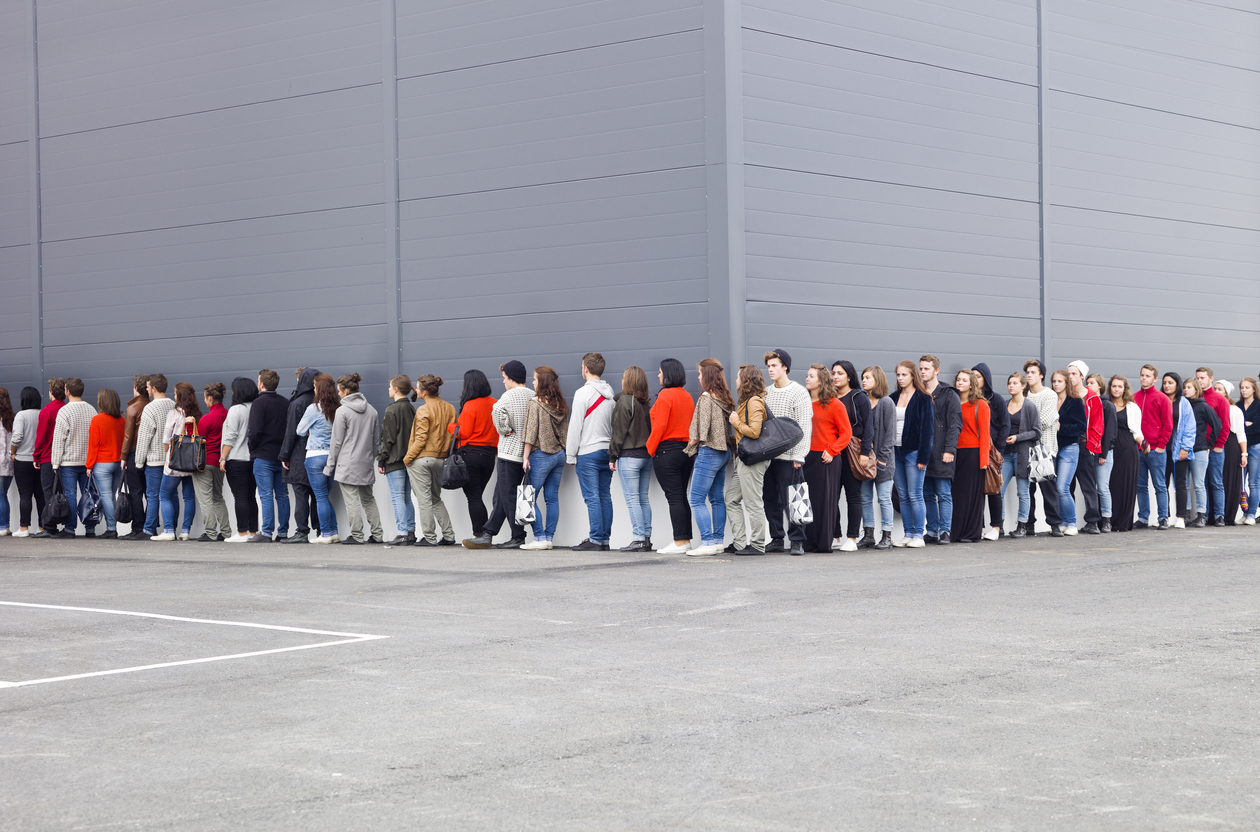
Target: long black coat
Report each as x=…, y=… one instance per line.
x=293, y=451
x=947, y=411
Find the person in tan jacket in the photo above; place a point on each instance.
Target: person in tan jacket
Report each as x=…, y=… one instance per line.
x=430, y=444
x=743, y=488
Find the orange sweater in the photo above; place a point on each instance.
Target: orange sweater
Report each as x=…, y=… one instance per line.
x=105, y=438
x=671, y=417
x=832, y=430
x=975, y=429
x=475, y=425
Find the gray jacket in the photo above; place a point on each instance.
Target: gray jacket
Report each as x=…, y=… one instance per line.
x=882, y=428
x=356, y=437
x=1029, y=434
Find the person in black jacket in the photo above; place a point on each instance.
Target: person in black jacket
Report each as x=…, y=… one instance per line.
x=1073, y=425
x=858, y=405
x=267, y=419
x=938, y=484
x=1106, y=463
x=913, y=442
x=292, y=457
x=999, y=429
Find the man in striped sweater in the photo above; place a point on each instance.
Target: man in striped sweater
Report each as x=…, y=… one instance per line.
x=786, y=400
x=70, y=450
x=508, y=415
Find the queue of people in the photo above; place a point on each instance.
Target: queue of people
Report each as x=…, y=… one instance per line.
x=940, y=454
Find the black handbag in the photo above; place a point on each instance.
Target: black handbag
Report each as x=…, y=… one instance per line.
x=454, y=468
x=90, y=504
x=57, y=510
x=188, y=453
x=777, y=436
x=122, y=502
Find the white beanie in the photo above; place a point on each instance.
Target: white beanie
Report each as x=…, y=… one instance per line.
x=1082, y=366
x=1229, y=388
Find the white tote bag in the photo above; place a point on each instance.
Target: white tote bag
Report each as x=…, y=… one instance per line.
x=524, y=504
x=800, y=511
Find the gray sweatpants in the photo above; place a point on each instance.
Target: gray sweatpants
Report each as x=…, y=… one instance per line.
x=359, y=501
x=208, y=486
x=425, y=475
x=743, y=492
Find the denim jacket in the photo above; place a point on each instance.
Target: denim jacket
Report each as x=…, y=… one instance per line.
x=317, y=430
x=1184, y=436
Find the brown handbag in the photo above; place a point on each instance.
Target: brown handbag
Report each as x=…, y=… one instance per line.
x=993, y=474
x=854, y=454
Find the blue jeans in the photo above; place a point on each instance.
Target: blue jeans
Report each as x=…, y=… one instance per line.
x=545, y=471
x=635, y=474
x=708, y=481
x=595, y=478
x=1253, y=480
x=1216, y=479
x=400, y=496
x=1198, y=480
x=152, y=498
x=1064, y=470
x=1152, y=463
x=938, y=495
x=319, y=487
x=4, y=499
x=882, y=491
x=1104, y=485
x=170, y=504
x=270, y=478
x=107, y=476
x=74, y=477
x=909, y=481
x=1010, y=463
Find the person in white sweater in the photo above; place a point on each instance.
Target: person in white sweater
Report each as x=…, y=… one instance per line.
x=70, y=450
x=590, y=428
x=786, y=400
x=149, y=450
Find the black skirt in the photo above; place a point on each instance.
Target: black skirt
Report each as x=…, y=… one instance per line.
x=823, y=479
x=968, y=492
x=1233, y=477
x=1124, y=476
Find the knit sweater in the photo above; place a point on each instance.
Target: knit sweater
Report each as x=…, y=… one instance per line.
x=149, y=451
x=671, y=417
x=1047, y=404
x=71, y=434
x=710, y=424
x=545, y=429
x=792, y=402
x=975, y=429
x=476, y=423
x=429, y=435
x=832, y=431
x=509, y=420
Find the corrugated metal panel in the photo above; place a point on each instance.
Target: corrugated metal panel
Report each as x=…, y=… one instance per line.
x=133, y=60
x=997, y=38
x=15, y=309
x=604, y=111
x=818, y=108
x=443, y=35
x=15, y=83
x=1123, y=347
x=302, y=154
x=15, y=196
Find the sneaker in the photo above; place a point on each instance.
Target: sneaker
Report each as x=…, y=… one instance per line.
x=481, y=541
x=513, y=543
x=205, y=538
x=776, y=545
x=588, y=545
x=748, y=551
x=1163, y=524
x=1219, y=521
x=1105, y=526
x=330, y=539
x=21, y=533
x=4, y=532
x=1247, y=521
x=163, y=536
x=1070, y=531
x=1179, y=523
x=702, y=552
x=539, y=546
x=673, y=549
x=989, y=534
x=849, y=545
x=446, y=541
x=238, y=538
x=903, y=543
x=423, y=543
x=1091, y=528
x=929, y=539
x=915, y=543
x=258, y=538
x=401, y=540
x=943, y=540
x=350, y=541
x=798, y=548
x=298, y=537
x=185, y=536
x=637, y=546
x=1056, y=531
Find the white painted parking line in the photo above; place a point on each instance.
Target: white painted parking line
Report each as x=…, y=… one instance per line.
x=341, y=638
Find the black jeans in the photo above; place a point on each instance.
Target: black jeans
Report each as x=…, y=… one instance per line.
x=305, y=509
x=1087, y=478
x=137, y=487
x=27, y=477
x=1178, y=471
x=240, y=477
x=779, y=476
x=673, y=471
x=48, y=482
x=480, y=462
x=510, y=474
x=1049, y=502
x=852, y=487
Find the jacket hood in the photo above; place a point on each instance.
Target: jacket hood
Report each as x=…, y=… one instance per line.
x=556, y=415
x=355, y=402
x=983, y=369
x=604, y=388
x=305, y=383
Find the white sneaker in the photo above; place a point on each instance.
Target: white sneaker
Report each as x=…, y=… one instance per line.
x=849, y=545
x=989, y=534
x=1070, y=530
x=1249, y=521
x=237, y=538
x=21, y=533
x=1180, y=523
x=163, y=536
x=184, y=536
x=699, y=552
x=537, y=545
x=4, y=532
x=673, y=549
x=915, y=543
x=332, y=538
x=902, y=543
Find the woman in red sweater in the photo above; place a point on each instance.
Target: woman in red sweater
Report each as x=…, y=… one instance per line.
x=104, y=456
x=971, y=460
x=479, y=441
x=828, y=439
x=671, y=426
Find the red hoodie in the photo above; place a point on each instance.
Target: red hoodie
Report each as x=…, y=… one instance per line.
x=1156, y=417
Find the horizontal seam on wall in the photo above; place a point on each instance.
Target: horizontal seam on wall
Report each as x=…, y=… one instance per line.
x=1154, y=109
x=886, y=182
x=885, y=309
x=222, y=335
x=546, y=184
x=553, y=311
x=1152, y=217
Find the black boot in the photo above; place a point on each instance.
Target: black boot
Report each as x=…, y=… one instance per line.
x=868, y=539
x=1105, y=525
x=885, y=541
x=1019, y=530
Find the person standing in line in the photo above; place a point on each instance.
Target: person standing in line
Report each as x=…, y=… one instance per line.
x=104, y=456
x=69, y=451
x=22, y=450
x=856, y=404
x=208, y=484
x=829, y=438
x=1216, y=462
x=235, y=460
x=1179, y=456
x=587, y=448
x=48, y=477
x=999, y=429
x=292, y=458
x=395, y=436
x=1023, y=433
x=786, y=399
x=1047, y=404
x=1106, y=462
x=267, y=421
x=316, y=425
x=508, y=414
x=149, y=451
x=1235, y=453
x=182, y=419
x=356, y=438
x=671, y=426
x=1157, y=430
x=1073, y=426
x=707, y=442
x=1124, y=454
x=882, y=430
x=1091, y=445
x=133, y=469
x=1207, y=428
x=628, y=455
x=428, y=446
x=916, y=430
x=6, y=458
x=546, y=429
x=479, y=441
x=937, y=485
x=1249, y=402
x=744, y=487
x=972, y=459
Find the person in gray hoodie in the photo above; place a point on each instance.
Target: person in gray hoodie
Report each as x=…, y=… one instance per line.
x=590, y=428
x=356, y=437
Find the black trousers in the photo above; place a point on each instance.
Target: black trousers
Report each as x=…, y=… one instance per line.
x=240, y=477
x=1180, y=470
x=673, y=471
x=779, y=476
x=305, y=509
x=1049, y=502
x=509, y=475
x=852, y=487
x=137, y=487
x=480, y=461
x=1087, y=479
x=48, y=482
x=27, y=476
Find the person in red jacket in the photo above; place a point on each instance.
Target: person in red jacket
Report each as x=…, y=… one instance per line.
x=1090, y=445
x=972, y=459
x=208, y=484
x=828, y=441
x=1216, y=459
x=43, y=448
x=1157, y=427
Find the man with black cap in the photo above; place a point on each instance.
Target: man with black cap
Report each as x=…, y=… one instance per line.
x=508, y=415
x=786, y=400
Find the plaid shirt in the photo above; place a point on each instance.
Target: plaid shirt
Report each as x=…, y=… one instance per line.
x=70, y=436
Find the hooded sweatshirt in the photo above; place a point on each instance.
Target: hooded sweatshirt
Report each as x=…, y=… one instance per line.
x=590, y=420
x=545, y=429
x=999, y=416
x=293, y=449
x=355, y=440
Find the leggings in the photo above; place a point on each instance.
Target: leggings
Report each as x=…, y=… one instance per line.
x=1178, y=473
x=852, y=488
x=27, y=476
x=240, y=477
